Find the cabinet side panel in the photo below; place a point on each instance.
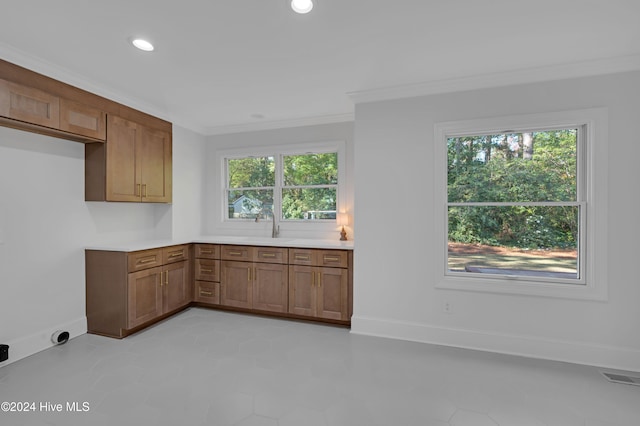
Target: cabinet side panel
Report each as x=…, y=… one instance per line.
x=106, y=277
x=94, y=172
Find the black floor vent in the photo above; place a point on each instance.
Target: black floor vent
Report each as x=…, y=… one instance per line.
x=619, y=378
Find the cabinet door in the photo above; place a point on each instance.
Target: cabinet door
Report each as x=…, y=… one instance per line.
x=270, y=287
x=302, y=292
x=155, y=165
x=236, y=284
x=29, y=105
x=176, y=286
x=332, y=293
x=144, y=296
x=82, y=120
x=122, y=162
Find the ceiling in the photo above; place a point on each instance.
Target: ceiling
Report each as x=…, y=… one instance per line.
x=229, y=65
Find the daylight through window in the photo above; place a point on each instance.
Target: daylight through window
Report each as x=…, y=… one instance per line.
x=514, y=204
x=293, y=187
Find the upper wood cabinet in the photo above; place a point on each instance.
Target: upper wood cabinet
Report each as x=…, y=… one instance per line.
x=28, y=108
x=82, y=119
x=133, y=165
x=29, y=105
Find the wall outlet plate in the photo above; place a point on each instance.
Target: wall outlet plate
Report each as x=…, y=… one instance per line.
x=4, y=352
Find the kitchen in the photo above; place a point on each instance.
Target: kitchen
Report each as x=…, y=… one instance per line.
x=45, y=223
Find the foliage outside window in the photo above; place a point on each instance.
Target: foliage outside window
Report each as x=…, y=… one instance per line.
x=513, y=204
x=293, y=187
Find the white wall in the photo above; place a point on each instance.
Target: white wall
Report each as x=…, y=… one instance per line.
x=45, y=225
x=266, y=138
x=395, y=271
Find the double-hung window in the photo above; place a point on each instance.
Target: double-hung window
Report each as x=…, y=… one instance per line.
x=520, y=201
x=295, y=185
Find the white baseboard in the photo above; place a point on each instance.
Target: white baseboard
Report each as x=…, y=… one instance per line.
x=619, y=358
x=25, y=346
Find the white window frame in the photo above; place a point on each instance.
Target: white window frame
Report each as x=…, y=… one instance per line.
x=592, y=170
x=278, y=152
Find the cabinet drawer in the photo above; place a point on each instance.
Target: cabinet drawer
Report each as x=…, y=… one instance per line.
x=237, y=253
x=271, y=254
x=332, y=258
x=207, y=270
x=299, y=256
x=316, y=257
x=175, y=254
x=207, y=292
x=207, y=251
x=145, y=259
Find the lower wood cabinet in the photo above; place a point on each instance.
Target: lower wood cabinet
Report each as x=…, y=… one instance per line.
x=319, y=292
x=260, y=285
x=128, y=290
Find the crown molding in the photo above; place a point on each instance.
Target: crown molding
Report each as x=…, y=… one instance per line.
x=279, y=124
x=507, y=78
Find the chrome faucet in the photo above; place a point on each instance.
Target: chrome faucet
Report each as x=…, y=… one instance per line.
x=275, y=229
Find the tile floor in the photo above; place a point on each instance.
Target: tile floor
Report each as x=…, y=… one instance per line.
x=205, y=367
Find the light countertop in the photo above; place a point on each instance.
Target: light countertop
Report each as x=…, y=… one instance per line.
x=221, y=239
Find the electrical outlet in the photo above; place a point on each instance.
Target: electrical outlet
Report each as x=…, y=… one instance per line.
x=447, y=308
x=4, y=353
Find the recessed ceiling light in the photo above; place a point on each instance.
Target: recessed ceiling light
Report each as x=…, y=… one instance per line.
x=302, y=6
x=142, y=44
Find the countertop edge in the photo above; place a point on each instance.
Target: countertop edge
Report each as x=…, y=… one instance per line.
x=220, y=239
